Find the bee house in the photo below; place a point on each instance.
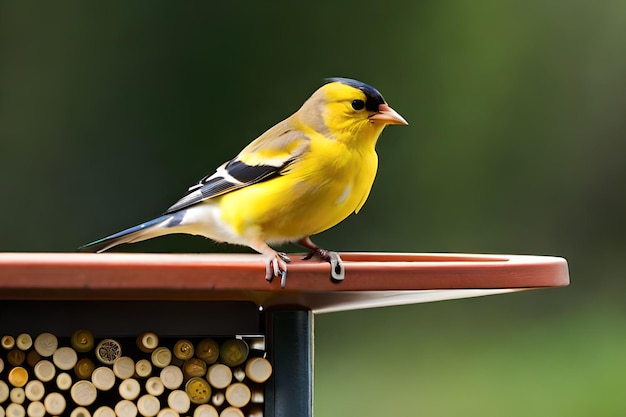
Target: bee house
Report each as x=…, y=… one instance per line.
x=167, y=335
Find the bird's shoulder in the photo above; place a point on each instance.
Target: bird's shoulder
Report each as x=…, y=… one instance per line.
x=279, y=144
x=264, y=158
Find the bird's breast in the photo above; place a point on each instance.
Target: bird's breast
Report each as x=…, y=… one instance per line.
x=313, y=195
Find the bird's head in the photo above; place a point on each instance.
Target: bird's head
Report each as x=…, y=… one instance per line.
x=349, y=109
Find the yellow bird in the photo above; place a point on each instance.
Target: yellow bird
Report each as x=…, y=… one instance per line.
x=301, y=177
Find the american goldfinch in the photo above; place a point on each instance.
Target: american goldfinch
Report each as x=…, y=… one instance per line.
x=301, y=177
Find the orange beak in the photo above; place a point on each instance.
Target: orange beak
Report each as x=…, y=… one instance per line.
x=388, y=116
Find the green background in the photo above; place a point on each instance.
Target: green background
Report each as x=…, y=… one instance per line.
x=517, y=111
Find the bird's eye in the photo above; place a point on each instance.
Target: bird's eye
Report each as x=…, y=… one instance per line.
x=358, y=104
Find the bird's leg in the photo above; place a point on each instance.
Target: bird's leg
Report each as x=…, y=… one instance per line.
x=275, y=264
x=337, y=271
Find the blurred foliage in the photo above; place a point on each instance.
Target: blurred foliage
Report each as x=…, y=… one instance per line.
x=109, y=110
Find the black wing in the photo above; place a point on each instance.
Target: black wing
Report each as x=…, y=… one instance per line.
x=250, y=166
x=228, y=177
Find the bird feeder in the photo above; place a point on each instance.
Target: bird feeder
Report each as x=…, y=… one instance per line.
x=204, y=335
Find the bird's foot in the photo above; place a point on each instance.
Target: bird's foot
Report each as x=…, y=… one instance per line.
x=337, y=271
x=276, y=266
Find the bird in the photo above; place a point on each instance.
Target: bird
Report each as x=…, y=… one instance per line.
x=301, y=177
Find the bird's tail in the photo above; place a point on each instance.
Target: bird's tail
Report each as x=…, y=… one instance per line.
x=156, y=227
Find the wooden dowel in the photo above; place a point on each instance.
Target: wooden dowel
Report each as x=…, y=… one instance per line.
x=178, y=401
x=124, y=367
x=23, y=341
x=84, y=393
x=198, y=390
x=239, y=374
x=161, y=357
x=194, y=367
x=129, y=389
x=82, y=340
x=258, y=369
x=172, y=377
x=256, y=411
x=36, y=409
x=183, y=349
x=208, y=350
x=168, y=412
x=84, y=368
x=103, y=378
x=64, y=381
x=234, y=352
x=17, y=395
x=231, y=412
x=16, y=357
x=15, y=410
x=4, y=392
x=125, y=408
x=154, y=386
x=7, y=342
x=143, y=368
x=32, y=357
x=65, y=358
x=44, y=370
x=80, y=412
x=238, y=394
x=219, y=375
x=205, y=410
x=257, y=395
x=104, y=411
x=54, y=404
x=18, y=376
x=218, y=398
x=34, y=390
x=108, y=350
x=45, y=344
x=147, y=341
x=148, y=405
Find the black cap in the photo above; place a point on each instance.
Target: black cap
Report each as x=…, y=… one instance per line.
x=374, y=98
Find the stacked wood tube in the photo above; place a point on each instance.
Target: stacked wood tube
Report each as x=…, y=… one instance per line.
x=148, y=375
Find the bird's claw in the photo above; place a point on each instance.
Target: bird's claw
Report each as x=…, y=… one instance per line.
x=284, y=257
x=337, y=271
x=277, y=266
